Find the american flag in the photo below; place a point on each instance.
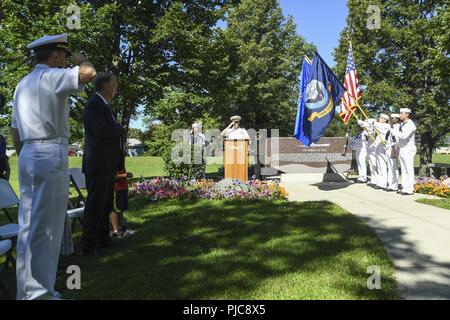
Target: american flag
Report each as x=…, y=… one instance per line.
x=353, y=93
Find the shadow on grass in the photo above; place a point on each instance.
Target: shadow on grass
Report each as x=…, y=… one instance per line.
x=237, y=250
x=422, y=276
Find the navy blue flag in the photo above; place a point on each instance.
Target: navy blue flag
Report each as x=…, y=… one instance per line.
x=318, y=102
x=299, y=134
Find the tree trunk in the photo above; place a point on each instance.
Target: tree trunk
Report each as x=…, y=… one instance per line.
x=126, y=119
x=427, y=145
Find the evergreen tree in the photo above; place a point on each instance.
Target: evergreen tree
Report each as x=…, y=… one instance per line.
x=404, y=63
x=266, y=61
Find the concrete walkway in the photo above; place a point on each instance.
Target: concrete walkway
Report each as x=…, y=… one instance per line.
x=416, y=236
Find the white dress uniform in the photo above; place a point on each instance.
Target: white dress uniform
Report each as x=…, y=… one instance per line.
x=199, y=139
x=359, y=144
x=377, y=152
x=237, y=134
x=371, y=151
x=380, y=155
x=41, y=113
x=392, y=163
x=406, y=135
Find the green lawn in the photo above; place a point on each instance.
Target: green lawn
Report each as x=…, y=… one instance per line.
x=231, y=250
x=236, y=250
x=441, y=203
x=437, y=158
x=441, y=158
x=139, y=166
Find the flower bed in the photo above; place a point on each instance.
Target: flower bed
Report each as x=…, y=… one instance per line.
x=163, y=188
x=437, y=187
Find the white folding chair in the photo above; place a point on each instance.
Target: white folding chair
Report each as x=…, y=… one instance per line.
x=8, y=198
x=6, y=247
x=78, y=181
x=75, y=211
x=9, y=231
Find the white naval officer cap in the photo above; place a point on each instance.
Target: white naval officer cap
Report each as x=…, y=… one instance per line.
x=395, y=115
x=384, y=116
x=50, y=42
x=236, y=119
x=406, y=110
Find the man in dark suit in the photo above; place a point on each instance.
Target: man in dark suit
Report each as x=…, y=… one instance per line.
x=100, y=163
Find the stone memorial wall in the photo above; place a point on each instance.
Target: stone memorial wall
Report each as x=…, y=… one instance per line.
x=293, y=157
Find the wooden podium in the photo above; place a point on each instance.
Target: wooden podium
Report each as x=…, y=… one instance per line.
x=236, y=159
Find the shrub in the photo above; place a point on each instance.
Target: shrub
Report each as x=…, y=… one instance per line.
x=186, y=170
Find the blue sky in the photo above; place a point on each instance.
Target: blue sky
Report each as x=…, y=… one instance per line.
x=318, y=21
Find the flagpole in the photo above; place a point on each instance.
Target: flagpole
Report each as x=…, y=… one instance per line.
x=357, y=118
x=376, y=130
x=362, y=110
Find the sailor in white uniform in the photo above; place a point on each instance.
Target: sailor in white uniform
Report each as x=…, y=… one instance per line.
x=40, y=132
x=382, y=126
x=359, y=145
x=234, y=130
x=371, y=149
x=406, y=136
x=392, y=154
x=379, y=129
x=196, y=133
x=198, y=139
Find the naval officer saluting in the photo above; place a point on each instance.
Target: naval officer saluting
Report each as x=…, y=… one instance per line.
x=234, y=130
x=40, y=133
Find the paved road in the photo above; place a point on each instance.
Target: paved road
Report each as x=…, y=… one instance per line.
x=416, y=236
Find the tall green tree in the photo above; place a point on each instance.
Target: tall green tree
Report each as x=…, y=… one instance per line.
x=113, y=35
x=267, y=57
x=198, y=62
x=124, y=37
x=177, y=61
x=404, y=63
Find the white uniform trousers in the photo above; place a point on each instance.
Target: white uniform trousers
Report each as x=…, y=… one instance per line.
x=373, y=165
x=407, y=165
x=44, y=192
x=392, y=172
x=382, y=166
x=361, y=160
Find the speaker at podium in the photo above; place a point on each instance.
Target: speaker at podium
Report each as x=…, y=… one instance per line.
x=236, y=159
